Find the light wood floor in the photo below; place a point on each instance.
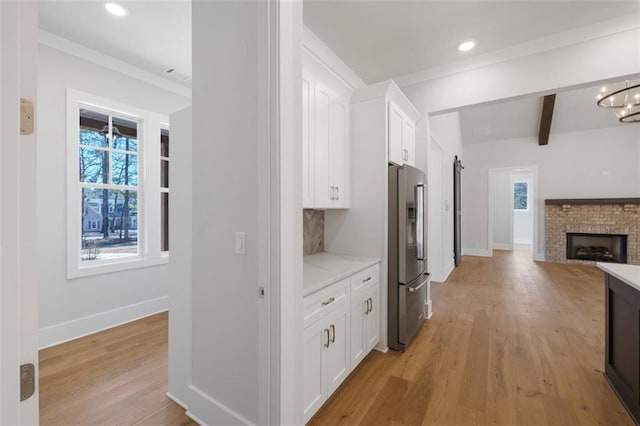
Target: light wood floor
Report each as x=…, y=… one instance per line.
x=115, y=377
x=511, y=342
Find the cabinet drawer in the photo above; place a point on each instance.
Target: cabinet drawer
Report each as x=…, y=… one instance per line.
x=365, y=279
x=319, y=304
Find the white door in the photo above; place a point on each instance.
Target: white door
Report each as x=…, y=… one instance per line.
x=308, y=159
x=358, y=324
x=338, y=362
x=18, y=287
x=372, y=322
x=395, y=134
x=521, y=190
x=409, y=142
x=315, y=341
x=338, y=153
x=323, y=187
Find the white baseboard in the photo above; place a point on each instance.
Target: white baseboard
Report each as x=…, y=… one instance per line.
x=477, y=252
x=522, y=246
x=177, y=401
x=429, y=312
x=448, y=270
x=502, y=246
x=207, y=411
x=383, y=350
x=539, y=257
x=80, y=327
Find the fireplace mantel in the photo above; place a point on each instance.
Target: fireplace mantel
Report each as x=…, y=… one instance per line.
x=591, y=201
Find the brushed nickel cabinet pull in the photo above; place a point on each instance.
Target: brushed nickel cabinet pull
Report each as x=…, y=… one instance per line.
x=326, y=302
x=326, y=345
x=366, y=279
x=333, y=333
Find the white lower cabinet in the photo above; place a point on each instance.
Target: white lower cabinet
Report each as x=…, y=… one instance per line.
x=341, y=328
x=325, y=359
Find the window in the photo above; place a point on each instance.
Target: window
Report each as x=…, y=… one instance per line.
x=164, y=190
x=111, y=148
x=520, y=196
x=108, y=177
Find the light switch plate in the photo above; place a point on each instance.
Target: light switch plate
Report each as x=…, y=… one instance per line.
x=241, y=240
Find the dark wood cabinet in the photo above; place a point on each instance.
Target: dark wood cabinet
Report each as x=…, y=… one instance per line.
x=622, y=350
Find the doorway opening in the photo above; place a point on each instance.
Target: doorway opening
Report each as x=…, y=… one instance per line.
x=513, y=209
x=109, y=79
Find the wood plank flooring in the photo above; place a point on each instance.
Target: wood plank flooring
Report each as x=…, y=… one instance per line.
x=511, y=342
x=115, y=377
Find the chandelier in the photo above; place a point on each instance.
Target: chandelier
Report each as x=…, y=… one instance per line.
x=624, y=103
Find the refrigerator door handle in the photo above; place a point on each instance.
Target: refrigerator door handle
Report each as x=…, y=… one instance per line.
x=418, y=287
x=420, y=221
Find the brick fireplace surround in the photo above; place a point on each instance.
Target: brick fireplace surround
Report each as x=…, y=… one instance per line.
x=618, y=216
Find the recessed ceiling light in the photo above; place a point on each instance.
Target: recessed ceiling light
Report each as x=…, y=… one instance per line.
x=466, y=46
x=115, y=9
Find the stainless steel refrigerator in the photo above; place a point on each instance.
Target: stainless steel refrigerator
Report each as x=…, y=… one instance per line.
x=408, y=277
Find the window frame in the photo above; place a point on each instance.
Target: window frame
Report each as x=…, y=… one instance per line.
x=163, y=190
x=148, y=177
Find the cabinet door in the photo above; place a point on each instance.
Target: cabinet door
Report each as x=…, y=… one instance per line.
x=409, y=142
x=338, y=154
x=315, y=339
x=372, y=323
x=395, y=134
x=358, y=330
x=323, y=186
x=308, y=158
x=338, y=365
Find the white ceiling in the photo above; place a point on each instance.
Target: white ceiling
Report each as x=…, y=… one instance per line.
x=380, y=40
x=574, y=110
x=155, y=35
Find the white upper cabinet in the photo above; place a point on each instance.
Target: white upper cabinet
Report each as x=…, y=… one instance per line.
x=325, y=139
x=308, y=162
x=402, y=136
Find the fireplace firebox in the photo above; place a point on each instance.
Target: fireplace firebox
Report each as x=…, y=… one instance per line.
x=597, y=247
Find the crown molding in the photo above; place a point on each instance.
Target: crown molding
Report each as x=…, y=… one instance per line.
x=48, y=39
x=578, y=35
x=327, y=57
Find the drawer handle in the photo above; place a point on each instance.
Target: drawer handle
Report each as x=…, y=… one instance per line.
x=326, y=302
x=366, y=279
x=333, y=333
x=326, y=345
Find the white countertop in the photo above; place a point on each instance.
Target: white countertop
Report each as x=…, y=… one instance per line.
x=629, y=274
x=323, y=269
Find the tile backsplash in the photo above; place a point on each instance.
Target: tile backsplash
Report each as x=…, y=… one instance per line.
x=313, y=231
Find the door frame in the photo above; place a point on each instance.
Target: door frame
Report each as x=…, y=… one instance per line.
x=440, y=274
x=532, y=170
x=18, y=259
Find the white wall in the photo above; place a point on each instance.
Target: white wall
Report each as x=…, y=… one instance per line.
x=70, y=308
x=231, y=175
x=445, y=129
x=180, y=240
x=597, y=163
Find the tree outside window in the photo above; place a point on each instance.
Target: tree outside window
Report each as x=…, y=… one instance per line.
x=520, y=196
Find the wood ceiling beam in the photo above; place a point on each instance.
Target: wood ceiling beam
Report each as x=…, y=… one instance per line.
x=548, y=103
